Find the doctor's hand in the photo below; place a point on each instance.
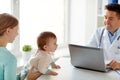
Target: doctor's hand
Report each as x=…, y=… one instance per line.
x=114, y=65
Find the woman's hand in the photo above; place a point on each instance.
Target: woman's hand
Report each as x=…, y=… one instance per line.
x=33, y=76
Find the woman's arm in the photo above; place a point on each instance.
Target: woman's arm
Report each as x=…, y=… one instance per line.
x=10, y=69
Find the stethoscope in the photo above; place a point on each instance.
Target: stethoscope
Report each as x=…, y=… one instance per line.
x=101, y=38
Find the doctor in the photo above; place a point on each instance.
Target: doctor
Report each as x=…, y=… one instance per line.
x=108, y=37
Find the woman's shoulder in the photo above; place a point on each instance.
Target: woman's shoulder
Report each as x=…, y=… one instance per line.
x=6, y=56
x=5, y=52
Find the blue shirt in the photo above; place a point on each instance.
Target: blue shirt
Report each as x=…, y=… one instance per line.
x=8, y=65
x=112, y=37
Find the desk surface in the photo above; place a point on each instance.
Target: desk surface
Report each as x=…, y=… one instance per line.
x=68, y=72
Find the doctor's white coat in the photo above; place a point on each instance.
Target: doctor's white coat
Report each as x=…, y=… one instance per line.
x=111, y=51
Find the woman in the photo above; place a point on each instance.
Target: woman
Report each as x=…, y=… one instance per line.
x=8, y=32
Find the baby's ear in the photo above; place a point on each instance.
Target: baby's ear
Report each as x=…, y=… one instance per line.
x=45, y=47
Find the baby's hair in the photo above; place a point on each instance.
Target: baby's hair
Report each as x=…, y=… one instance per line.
x=43, y=39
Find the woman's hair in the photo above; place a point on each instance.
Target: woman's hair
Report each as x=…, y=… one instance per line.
x=43, y=39
x=113, y=7
x=7, y=21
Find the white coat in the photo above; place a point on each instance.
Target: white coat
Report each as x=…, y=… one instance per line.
x=111, y=51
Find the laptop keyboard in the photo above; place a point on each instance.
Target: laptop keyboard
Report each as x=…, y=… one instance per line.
x=44, y=77
x=108, y=67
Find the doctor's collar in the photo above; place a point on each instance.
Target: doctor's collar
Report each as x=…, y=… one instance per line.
x=115, y=33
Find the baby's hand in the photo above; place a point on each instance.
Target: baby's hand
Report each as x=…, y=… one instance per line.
x=53, y=73
x=56, y=67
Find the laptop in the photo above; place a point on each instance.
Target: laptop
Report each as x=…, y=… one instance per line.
x=88, y=58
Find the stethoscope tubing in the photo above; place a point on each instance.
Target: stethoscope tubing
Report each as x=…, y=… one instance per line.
x=101, y=37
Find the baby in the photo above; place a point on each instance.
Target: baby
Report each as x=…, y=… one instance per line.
x=41, y=61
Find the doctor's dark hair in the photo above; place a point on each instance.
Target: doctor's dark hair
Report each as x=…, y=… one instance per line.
x=43, y=39
x=7, y=21
x=113, y=7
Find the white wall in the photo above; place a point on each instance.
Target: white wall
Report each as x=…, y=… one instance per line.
x=83, y=20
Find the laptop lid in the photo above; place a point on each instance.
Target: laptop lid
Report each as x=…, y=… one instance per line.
x=87, y=57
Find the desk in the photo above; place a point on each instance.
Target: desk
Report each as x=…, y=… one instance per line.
x=68, y=72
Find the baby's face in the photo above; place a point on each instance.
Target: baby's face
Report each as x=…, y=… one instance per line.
x=52, y=45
